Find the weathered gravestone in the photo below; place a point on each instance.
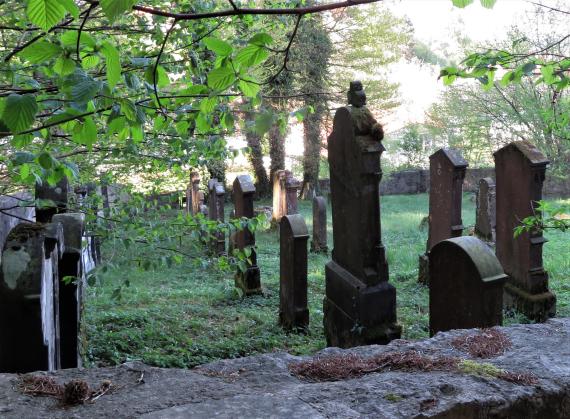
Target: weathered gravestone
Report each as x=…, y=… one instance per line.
x=192, y=194
x=57, y=194
x=248, y=280
x=360, y=303
x=29, y=307
x=216, y=199
x=319, y=242
x=285, y=195
x=293, y=236
x=73, y=266
x=466, y=285
x=447, y=171
x=485, y=218
x=520, y=169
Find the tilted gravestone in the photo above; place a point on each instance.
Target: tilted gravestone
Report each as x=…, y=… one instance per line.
x=447, y=171
x=57, y=194
x=73, y=267
x=466, y=285
x=319, y=242
x=293, y=236
x=520, y=169
x=248, y=280
x=360, y=303
x=192, y=194
x=285, y=195
x=216, y=200
x=29, y=306
x=485, y=216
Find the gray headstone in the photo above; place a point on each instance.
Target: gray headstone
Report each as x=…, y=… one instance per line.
x=319, y=242
x=57, y=194
x=485, y=218
x=217, y=197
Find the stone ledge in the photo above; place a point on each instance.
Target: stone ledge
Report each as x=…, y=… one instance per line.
x=261, y=386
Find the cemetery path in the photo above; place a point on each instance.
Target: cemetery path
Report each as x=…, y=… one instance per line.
x=263, y=386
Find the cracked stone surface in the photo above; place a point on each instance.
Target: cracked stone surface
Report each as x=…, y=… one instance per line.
x=262, y=387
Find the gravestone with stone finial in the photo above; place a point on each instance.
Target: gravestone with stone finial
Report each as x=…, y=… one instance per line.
x=520, y=170
x=360, y=303
x=293, y=236
x=216, y=200
x=58, y=195
x=319, y=242
x=485, y=215
x=248, y=278
x=447, y=171
x=29, y=305
x=466, y=285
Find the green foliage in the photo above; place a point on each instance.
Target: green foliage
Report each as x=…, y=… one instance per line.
x=19, y=112
x=45, y=13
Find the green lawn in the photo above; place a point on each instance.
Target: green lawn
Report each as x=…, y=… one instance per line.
x=187, y=315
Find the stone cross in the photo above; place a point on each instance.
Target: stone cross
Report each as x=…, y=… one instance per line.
x=29, y=306
x=293, y=236
x=73, y=264
x=249, y=280
x=360, y=303
x=216, y=200
x=485, y=218
x=58, y=194
x=447, y=171
x=466, y=285
x=192, y=194
x=319, y=242
x=285, y=194
x=520, y=170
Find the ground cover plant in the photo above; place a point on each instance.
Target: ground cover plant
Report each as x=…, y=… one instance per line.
x=188, y=314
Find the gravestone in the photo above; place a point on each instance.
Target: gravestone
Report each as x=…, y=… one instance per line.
x=285, y=195
x=485, y=218
x=292, y=187
x=193, y=194
x=293, y=236
x=319, y=242
x=360, y=303
x=29, y=290
x=57, y=194
x=243, y=191
x=216, y=200
x=466, y=285
x=73, y=264
x=520, y=169
x=447, y=171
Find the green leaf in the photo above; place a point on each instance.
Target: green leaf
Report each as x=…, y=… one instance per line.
x=221, y=78
x=71, y=7
x=251, y=55
x=69, y=39
x=40, y=52
x=113, y=62
x=547, y=72
x=528, y=68
x=85, y=90
x=46, y=161
x=22, y=140
x=263, y=123
x=488, y=3
x=89, y=61
x=248, y=87
x=114, y=8
x=20, y=112
x=89, y=132
x=64, y=66
x=162, y=79
x=461, y=3
x=261, y=39
x=221, y=48
x=45, y=13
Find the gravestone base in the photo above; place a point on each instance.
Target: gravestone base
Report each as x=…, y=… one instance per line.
x=249, y=281
x=537, y=307
x=356, y=314
x=423, y=269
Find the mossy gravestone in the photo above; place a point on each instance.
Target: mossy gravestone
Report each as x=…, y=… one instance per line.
x=447, y=171
x=360, y=303
x=520, y=169
x=216, y=199
x=466, y=285
x=293, y=236
x=248, y=278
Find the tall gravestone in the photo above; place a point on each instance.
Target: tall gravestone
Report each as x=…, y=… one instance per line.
x=319, y=242
x=520, y=170
x=447, y=171
x=360, y=303
x=72, y=268
x=193, y=194
x=292, y=187
x=285, y=194
x=293, y=236
x=247, y=280
x=29, y=306
x=466, y=285
x=485, y=216
x=216, y=200
x=57, y=194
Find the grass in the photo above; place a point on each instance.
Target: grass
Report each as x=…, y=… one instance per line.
x=187, y=315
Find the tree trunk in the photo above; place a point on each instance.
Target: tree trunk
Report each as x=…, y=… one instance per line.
x=312, y=127
x=276, y=150
x=262, y=185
